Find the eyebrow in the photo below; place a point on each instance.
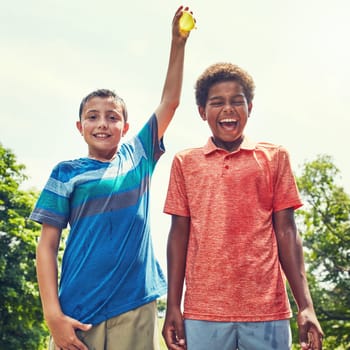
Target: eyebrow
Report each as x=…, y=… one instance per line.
x=220, y=97
x=108, y=111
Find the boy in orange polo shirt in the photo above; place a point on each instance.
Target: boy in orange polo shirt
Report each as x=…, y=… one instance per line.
x=233, y=235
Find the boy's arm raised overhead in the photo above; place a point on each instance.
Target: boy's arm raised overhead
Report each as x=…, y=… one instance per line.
x=173, y=81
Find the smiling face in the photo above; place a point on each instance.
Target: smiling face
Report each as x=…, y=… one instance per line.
x=102, y=125
x=226, y=112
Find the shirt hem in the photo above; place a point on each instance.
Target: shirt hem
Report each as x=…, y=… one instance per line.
x=126, y=308
x=237, y=318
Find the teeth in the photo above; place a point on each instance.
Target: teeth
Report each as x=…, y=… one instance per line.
x=101, y=135
x=228, y=120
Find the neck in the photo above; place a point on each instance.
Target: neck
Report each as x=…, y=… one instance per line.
x=102, y=158
x=228, y=146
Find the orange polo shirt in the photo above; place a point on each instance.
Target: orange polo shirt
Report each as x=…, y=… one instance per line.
x=232, y=269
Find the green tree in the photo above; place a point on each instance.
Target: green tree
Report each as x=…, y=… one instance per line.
x=324, y=223
x=161, y=307
x=21, y=319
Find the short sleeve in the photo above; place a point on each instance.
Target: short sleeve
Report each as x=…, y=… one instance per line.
x=176, y=202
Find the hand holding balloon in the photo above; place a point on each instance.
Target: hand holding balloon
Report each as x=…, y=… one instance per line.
x=186, y=22
x=183, y=23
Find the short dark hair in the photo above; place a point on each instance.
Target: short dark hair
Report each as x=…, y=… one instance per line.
x=219, y=72
x=103, y=93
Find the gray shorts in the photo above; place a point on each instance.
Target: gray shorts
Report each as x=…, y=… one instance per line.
x=204, y=335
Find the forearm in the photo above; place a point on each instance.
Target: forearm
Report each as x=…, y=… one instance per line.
x=171, y=93
x=47, y=270
x=47, y=275
x=291, y=256
x=292, y=262
x=173, y=81
x=176, y=258
x=176, y=277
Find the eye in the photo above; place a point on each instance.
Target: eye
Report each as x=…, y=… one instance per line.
x=91, y=117
x=114, y=117
x=237, y=102
x=216, y=103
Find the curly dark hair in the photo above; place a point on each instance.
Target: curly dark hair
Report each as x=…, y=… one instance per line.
x=103, y=93
x=219, y=72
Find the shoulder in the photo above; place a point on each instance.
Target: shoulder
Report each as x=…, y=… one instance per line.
x=189, y=156
x=272, y=155
x=268, y=146
x=275, y=157
x=189, y=160
x=65, y=170
x=273, y=150
x=189, y=153
x=150, y=128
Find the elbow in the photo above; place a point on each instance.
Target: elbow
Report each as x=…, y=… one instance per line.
x=173, y=105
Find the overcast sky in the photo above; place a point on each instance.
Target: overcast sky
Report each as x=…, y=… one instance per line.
x=55, y=52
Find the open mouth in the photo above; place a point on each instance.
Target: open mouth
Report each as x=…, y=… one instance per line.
x=101, y=136
x=228, y=123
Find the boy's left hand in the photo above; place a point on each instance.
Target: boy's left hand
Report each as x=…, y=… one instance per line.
x=310, y=331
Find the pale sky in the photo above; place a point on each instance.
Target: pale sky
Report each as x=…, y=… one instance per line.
x=55, y=52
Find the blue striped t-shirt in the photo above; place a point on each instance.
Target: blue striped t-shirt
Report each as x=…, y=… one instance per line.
x=108, y=265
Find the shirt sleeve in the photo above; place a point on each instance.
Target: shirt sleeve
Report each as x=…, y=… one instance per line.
x=52, y=206
x=176, y=202
x=286, y=194
x=148, y=136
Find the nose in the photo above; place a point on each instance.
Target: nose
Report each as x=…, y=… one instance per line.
x=228, y=108
x=102, y=123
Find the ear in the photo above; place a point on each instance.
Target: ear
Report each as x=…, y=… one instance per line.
x=125, y=129
x=201, y=111
x=250, y=107
x=79, y=127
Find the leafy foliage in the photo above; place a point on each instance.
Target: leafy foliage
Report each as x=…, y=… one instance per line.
x=325, y=228
x=21, y=319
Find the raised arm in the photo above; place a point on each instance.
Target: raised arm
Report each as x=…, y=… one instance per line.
x=173, y=82
x=62, y=327
x=292, y=261
x=173, y=329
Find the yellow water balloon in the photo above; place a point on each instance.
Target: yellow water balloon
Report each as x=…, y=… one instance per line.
x=186, y=22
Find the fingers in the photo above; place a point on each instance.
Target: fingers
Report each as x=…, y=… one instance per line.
x=310, y=331
x=315, y=339
x=175, y=340
x=180, y=337
x=72, y=347
x=188, y=23
x=68, y=340
x=83, y=326
x=303, y=338
x=313, y=342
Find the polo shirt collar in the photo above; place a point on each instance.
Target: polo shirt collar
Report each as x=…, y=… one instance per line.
x=247, y=144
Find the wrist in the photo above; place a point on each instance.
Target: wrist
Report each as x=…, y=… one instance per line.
x=52, y=313
x=306, y=305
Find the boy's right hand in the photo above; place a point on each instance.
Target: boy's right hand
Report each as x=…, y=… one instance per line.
x=177, y=32
x=63, y=332
x=173, y=330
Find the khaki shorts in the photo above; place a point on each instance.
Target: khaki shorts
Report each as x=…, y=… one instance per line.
x=133, y=330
